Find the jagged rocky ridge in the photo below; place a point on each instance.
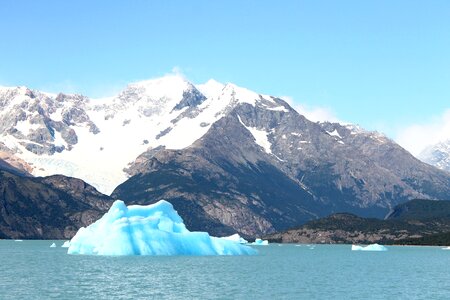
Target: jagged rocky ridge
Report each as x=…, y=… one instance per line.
x=228, y=159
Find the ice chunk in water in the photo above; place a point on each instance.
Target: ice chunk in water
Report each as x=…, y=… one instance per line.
x=155, y=229
x=371, y=247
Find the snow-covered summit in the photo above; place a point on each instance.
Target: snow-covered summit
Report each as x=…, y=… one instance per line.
x=211, y=89
x=437, y=155
x=96, y=139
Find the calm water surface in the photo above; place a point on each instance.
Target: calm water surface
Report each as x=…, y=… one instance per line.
x=33, y=270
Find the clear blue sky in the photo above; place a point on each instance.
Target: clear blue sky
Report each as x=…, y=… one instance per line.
x=376, y=63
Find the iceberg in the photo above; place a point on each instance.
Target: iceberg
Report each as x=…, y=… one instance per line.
x=260, y=242
x=66, y=244
x=53, y=245
x=446, y=248
x=371, y=247
x=235, y=238
x=155, y=229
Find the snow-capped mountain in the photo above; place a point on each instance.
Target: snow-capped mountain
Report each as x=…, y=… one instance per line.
x=227, y=158
x=437, y=155
x=96, y=139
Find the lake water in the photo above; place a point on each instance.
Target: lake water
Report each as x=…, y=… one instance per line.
x=33, y=270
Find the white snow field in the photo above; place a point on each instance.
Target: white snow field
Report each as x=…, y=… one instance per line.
x=143, y=116
x=155, y=229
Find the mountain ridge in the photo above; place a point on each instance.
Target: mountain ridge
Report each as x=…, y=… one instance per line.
x=229, y=158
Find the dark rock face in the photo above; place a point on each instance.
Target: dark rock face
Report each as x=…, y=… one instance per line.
x=52, y=207
x=191, y=98
x=311, y=170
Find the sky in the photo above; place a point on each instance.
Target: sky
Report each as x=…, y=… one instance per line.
x=384, y=65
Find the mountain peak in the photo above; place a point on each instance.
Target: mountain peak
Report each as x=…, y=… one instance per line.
x=437, y=155
x=211, y=88
x=169, y=88
x=164, y=83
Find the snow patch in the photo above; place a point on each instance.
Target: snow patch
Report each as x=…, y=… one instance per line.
x=58, y=139
x=278, y=108
x=26, y=127
x=211, y=89
x=261, y=138
x=335, y=133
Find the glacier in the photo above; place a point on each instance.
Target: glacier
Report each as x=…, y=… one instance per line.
x=371, y=247
x=154, y=229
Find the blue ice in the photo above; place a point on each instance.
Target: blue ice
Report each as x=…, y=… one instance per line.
x=155, y=229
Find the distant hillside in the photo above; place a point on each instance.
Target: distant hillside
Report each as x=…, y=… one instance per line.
x=414, y=222
x=53, y=207
x=440, y=239
x=420, y=209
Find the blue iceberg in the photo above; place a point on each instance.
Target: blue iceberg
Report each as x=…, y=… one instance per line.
x=371, y=247
x=155, y=229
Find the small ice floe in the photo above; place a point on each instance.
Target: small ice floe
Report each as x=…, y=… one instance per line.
x=446, y=248
x=66, y=244
x=18, y=240
x=235, y=238
x=260, y=242
x=53, y=245
x=371, y=247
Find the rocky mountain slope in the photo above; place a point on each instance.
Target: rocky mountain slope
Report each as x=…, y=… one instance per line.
x=262, y=170
x=229, y=159
x=413, y=222
x=52, y=207
x=96, y=139
x=437, y=155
